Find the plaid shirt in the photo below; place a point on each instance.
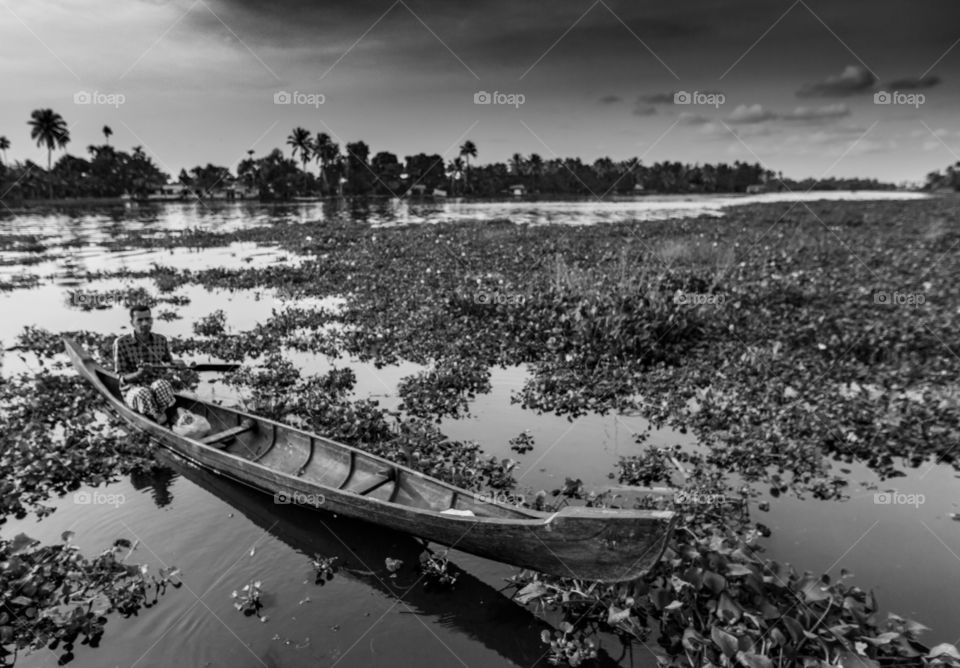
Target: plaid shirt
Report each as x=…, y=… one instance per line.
x=129, y=353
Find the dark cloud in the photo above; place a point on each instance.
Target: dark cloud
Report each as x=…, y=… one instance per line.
x=658, y=98
x=644, y=110
x=912, y=83
x=854, y=80
x=610, y=99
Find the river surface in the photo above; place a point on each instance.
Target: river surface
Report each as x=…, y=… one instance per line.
x=223, y=535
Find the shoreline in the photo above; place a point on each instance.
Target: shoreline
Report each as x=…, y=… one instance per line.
x=638, y=197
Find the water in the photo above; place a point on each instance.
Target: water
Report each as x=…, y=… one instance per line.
x=222, y=535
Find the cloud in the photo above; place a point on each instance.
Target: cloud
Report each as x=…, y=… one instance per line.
x=690, y=118
x=756, y=113
x=644, y=110
x=817, y=113
x=610, y=99
x=658, y=98
x=854, y=80
x=913, y=83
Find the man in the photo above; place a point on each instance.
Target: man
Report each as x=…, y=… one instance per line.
x=135, y=357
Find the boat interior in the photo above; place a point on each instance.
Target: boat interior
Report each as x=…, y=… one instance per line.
x=323, y=462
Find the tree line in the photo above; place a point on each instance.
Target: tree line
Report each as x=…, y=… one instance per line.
x=316, y=166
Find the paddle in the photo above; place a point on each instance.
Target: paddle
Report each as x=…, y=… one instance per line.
x=201, y=366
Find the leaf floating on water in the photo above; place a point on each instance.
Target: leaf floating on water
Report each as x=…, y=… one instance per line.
x=393, y=565
x=21, y=542
x=67, y=535
x=253, y=551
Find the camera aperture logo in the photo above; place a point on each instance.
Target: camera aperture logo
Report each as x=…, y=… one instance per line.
x=897, y=98
x=496, y=97
x=296, y=97
x=699, y=98
x=96, y=97
x=898, y=499
x=95, y=498
x=287, y=497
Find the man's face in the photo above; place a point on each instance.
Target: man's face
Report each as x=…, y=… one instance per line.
x=142, y=321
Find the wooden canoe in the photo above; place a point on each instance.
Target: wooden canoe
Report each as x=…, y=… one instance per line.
x=295, y=466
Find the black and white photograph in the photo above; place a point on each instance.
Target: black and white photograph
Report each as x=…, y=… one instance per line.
x=497, y=334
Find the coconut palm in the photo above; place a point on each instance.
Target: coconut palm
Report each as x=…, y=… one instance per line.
x=321, y=153
x=517, y=164
x=535, y=162
x=455, y=171
x=4, y=145
x=107, y=131
x=299, y=141
x=48, y=128
x=468, y=150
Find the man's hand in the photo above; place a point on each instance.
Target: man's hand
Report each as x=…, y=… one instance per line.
x=136, y=375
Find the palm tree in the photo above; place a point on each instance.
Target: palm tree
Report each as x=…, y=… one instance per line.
x=4, y=145
x=106, y=134
x=468, y=150
x=299, y=140
x=321, y=153
x=456, y=171
x=536, y=168
x=49, y=129
x=517, y=164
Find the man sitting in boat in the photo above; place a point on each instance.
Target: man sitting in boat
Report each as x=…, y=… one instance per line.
x=136, y=357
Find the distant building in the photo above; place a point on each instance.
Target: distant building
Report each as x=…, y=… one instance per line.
x=170, y=192
x=756, y=189
x=439, y=192
x=240, y=191
x=517, y=190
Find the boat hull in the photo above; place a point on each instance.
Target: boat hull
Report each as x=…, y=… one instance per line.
x=297, y=467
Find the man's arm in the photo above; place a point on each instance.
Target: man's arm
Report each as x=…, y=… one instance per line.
x=168, y=356
x=124, y=364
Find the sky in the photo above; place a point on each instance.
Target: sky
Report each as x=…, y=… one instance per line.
x=806, y=87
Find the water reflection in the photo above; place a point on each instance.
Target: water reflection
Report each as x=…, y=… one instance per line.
x=158, y=481
x=473, y=608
